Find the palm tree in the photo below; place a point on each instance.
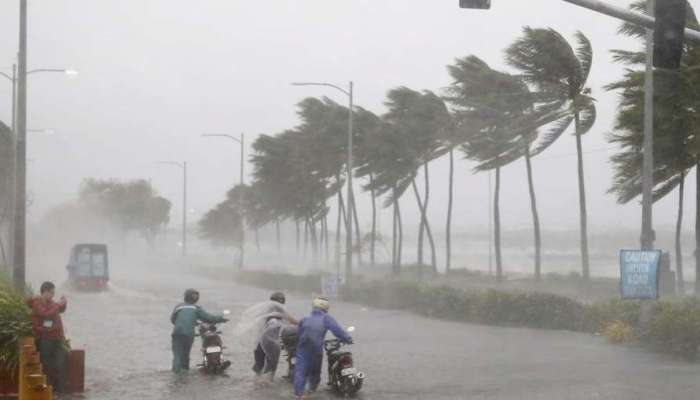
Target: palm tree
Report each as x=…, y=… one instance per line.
x=499, y=117
x=384, y=156
x=675, y=123
x=366, y=124
x=421, y=117
x=559, y=74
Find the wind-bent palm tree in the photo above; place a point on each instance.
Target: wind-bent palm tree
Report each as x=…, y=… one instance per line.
x=421, y=118
x=674, y=127
x=559, y=73
x=499, y=116
x=384, y=157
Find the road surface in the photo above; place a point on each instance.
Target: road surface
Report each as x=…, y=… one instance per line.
x=126, y=334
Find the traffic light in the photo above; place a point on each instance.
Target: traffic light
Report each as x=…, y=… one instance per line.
x=481, y=4
x=668, y=33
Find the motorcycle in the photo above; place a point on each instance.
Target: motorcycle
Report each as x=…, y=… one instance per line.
x=343, y=377
x=212, y=348
x=290, y=340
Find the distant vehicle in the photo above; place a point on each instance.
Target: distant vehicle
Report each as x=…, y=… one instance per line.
x=88, y=267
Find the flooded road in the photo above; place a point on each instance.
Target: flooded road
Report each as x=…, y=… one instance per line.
x=126, y=335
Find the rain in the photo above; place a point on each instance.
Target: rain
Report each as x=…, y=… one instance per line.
x=478, y=199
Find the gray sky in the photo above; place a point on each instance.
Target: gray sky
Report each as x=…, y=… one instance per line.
x=154, y=74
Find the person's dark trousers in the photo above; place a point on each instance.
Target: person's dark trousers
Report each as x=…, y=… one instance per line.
x=272, y=355
x=52, y=357
x=182, y=345
x=259, y=356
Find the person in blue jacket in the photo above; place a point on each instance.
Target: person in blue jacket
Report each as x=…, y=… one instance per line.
x=312, y=332
x=184, y=318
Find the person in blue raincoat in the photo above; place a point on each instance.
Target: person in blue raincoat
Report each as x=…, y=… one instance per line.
x=312, y=332
x=184, y=318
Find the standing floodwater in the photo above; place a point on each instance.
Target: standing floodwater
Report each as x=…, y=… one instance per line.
x=126, y=334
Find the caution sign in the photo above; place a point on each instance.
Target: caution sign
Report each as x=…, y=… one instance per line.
x=639, y=274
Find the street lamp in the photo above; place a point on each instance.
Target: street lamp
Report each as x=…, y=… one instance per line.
x=183, y=166
x=13, y=78
x=19, y=128
x=350, y=200
x=241, y=142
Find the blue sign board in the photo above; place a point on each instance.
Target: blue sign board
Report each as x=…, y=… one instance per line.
x=639, y=274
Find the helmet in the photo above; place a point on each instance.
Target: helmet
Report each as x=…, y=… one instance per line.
x=321, y=303
x=278, y=297
x=191, y=296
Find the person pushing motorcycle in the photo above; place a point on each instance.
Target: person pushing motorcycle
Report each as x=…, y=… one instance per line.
x=184, y=318
x=267, y=351
x=312, y=331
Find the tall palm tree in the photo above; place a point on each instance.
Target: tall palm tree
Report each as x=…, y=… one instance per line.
x=384, y=157
x=675, y=124
x=421, y=117
x=499, y=117
x=367, y=124
x=559, y=73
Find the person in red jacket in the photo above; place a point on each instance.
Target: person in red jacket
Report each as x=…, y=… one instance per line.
x=48, y=331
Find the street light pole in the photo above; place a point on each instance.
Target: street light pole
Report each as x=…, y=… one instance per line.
x=17, y=241
x=241, y=142
x=19, y=253
x=351, y=202
x=350, y=196
x=647, y=237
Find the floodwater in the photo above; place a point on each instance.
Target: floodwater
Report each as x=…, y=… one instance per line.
x=126, y=335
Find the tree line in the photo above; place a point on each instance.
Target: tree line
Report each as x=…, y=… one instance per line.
x=491, y=117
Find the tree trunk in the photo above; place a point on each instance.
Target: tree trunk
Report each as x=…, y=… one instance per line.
x=450, y=195
x=279, y=236
x=394, y=238
x=358, y=234
x=296, y=222
x=3, y=253
x=372, y=250
x=306, y=236
x=424, y=219
x=399, y=223
x=257, y=239
x=679, y=226
x=535, y=215
x=497, y=225
x=314, y=242
x=326, y=241
x=337, y=232
x=697, y=228
x=585, y=267
x=420, y=260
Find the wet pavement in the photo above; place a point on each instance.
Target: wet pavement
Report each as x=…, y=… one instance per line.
x=126, y=335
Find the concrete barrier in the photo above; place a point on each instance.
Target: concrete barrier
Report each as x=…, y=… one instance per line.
x=32, y=381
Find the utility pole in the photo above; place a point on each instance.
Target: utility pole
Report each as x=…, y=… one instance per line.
x=647, y=237
x=351, y=210
x=240, y=202
x=19, y=254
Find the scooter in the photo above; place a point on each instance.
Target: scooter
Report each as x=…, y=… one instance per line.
x=212, y=348
x=290, y=340
x=343, y=377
